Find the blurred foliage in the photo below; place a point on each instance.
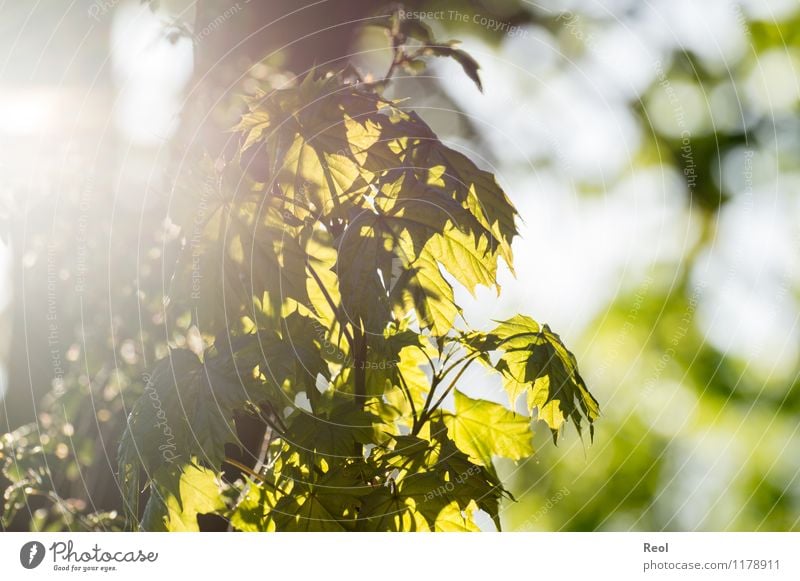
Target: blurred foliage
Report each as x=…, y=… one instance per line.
x=695, y=438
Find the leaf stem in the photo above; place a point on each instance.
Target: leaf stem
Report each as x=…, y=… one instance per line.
x=397, y=59
x=451, y=386
x=246, y=469
x=423, y=414
x=429, y=408
x=359, y=364
x=332, y=305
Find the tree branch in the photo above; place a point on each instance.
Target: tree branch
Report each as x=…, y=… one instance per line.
x=429, y=408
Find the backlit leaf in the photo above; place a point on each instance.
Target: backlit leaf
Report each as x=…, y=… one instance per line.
x=483, y=429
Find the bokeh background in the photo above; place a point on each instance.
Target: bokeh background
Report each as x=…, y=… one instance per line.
x=652, y=149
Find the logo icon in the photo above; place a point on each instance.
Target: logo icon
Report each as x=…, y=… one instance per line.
x=31, y=554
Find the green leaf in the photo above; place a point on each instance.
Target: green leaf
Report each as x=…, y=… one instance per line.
x=365, y=253
x=469, y=64
x=336, y=253
x=334, y=434
x=407, y=27
x=239, y=245
x=536, y=360
x=452, y=519
x=187, y=409
x=435, y=473
x=250, y=514
x=439, y=227
x=325, y=146
x=253, y=125
x=399, y=203
x=480, y=193
x=483, y=429
x=183, y=493
x=307, y=510
x=402, y=29
x=403, y=383
x=422, y=288
x=387, y=510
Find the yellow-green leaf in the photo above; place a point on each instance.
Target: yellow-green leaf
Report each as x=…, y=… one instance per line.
x=452, y=519
x=190, y=490
x=483, y=429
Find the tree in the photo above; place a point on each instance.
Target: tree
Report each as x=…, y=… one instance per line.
x=317, y=383
x=325, y=285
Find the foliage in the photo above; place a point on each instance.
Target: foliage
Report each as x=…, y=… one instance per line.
x=313, y=297
x=692, y=439
x=328, y=291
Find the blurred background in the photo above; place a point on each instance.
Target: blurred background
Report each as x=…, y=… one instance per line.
x=653, y=152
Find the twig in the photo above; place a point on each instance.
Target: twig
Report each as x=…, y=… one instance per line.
x=407, y=391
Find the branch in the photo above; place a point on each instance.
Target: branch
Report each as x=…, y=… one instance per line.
x=427, y=412
x=398, y=57
x=451, y=386
x=407, y=391
x=421, y=420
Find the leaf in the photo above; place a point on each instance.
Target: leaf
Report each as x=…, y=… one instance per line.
x=469, y=64
x=407, y=27
x=399, y=203
x=536, y=360
x=483, y=429
x=438, y=168
x=403, y=28
x=454, y=520
x=325, y=146
x=515, y=332
x=403, y=383
x=239, y=245
x=253, y=125
x=400, y=350
x=439, y=228
x=435, y=473
x=306, y=510
x=188, y=405
x=480, y=193
x=186, y=410
x=386, y=510
x=292, y=362
x=316, y=493
x=183, y=493
x=333, y=434
x=422, y=288
x=250, y=514
x=337, y=251
x=424, y=233
x=365, y=251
